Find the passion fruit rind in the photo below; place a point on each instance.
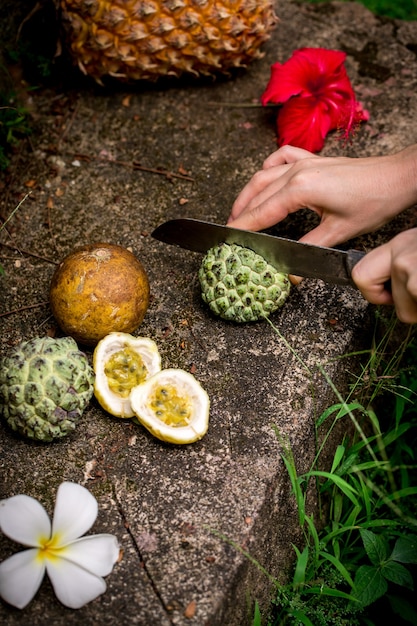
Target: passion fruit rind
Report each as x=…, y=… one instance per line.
x=173, y=406
x=98, y=289
x=122, y=362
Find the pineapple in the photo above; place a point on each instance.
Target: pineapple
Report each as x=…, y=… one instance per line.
x=147, y=39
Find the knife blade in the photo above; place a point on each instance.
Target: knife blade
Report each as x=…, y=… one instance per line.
x=287, y=256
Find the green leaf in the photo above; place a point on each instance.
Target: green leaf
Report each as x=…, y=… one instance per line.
x=296, y=487
x=369, y=585
x=393, y=435
x=328, y=591
x=342, y=410
x=338, y=565
x=398, y=574
x=338, y=456
x=300, y=567
x=402, y=607
x=344, y=486
x=402, y=493
x=257, y=616
x=375, y=546
x=405, y=549
x=302, y=617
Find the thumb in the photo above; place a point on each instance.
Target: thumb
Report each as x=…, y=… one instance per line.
x=372, y=274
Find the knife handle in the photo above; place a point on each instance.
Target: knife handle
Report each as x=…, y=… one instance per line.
x=353, y=257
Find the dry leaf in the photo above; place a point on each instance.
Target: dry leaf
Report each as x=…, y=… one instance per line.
x=190, y=610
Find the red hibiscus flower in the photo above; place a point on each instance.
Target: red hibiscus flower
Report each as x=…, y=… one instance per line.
x=316, y=95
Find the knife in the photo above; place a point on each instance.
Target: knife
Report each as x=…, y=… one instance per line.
x=287, y=256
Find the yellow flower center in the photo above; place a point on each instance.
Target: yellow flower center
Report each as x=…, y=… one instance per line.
x=50, y=548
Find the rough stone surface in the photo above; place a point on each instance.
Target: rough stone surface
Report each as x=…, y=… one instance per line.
x=180, y=512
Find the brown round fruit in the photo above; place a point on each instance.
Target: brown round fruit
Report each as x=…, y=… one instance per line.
x=98, y=289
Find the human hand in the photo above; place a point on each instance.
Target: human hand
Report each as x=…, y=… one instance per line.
x=395, y=261
x=352, y=196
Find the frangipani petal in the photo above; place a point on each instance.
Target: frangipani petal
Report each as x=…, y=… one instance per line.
x=24, y=520
x=75, y=566
x=97, y=553
x=75, y=512
x=73, y=585
x=20, y=577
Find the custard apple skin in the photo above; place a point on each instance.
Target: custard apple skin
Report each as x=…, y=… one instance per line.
x=239, y=285
x=45, y=385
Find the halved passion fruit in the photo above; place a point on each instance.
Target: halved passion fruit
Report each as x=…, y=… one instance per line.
x=172, y=405
x=122, y=362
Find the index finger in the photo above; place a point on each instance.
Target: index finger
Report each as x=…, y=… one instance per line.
x=286, y=155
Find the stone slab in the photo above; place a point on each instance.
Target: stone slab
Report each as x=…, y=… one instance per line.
x=181, y=513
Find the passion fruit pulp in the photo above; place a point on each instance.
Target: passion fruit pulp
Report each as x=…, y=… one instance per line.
x=121, y=362
x=99, y=289
x=173, y=406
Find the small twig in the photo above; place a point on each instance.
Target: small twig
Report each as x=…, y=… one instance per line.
x=167, y=173
x=243, y=105
x=137, y=166
x=23, y=308
x=14, y=211
x=22, y=251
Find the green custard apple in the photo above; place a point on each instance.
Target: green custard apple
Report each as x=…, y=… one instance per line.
x=45, y=385
x=239, y=285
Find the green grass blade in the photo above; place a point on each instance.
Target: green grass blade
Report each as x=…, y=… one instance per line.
x=300, y=566
x=339, y=566
x=339, y=482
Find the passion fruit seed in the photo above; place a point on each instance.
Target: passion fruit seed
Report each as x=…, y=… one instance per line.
x=125, y=369
x=171, y=407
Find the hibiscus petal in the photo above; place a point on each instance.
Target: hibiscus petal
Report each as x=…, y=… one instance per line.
x=306, y=73
x=96, y=553
x=75, y=512
x=73, y=585
x=328, y=62
x=24, y=520
x=304, y=123
x=20, y=577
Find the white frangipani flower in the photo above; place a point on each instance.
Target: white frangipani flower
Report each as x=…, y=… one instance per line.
x=75, y=565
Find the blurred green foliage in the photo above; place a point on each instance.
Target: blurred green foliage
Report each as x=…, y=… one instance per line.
x=398, y=9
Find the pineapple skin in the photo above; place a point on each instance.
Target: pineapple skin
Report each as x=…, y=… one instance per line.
x=146, y=39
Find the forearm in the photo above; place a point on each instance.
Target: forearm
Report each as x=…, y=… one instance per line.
x=405, y=179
